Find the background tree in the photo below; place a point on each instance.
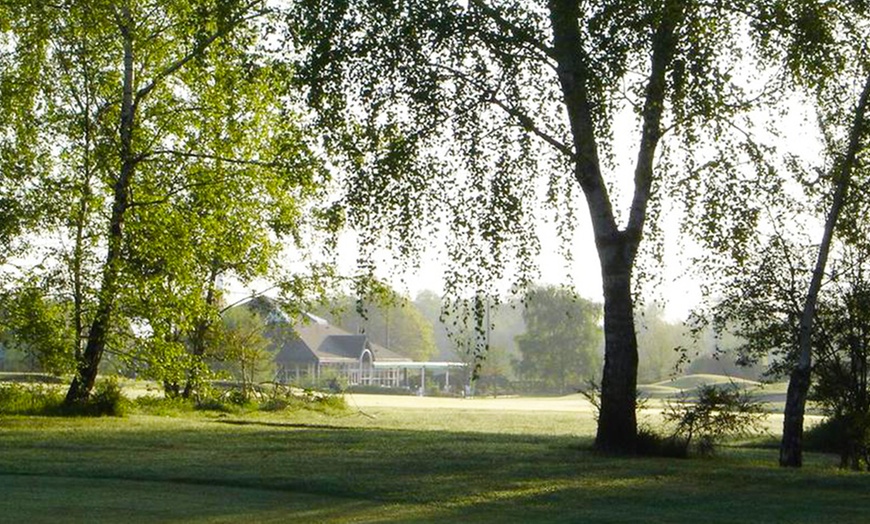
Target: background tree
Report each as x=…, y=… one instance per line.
x=799, y=380
x=243, y=349
x=24, y=31
x=505, y=321
x=818, y=49
x=560, y=349
x=842, y=348
x=392, y=321
x=37, y=327
x=470, y=115
x=658, y=344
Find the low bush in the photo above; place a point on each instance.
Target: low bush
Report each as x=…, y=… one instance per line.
x=837, y=434
x=700, y=424
x=164, y=406
x=216, y=403
x=29, y=399
x=826, y=437
x=108, y=399
x=270, y=397
x=278, y=397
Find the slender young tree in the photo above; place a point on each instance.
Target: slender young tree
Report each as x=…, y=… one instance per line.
x=791, y=448
x=821, y=48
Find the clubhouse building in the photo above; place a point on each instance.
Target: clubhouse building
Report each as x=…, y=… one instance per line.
x=312, y=349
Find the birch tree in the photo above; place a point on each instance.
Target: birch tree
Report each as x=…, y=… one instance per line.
x=469, y=115
x=175, y=157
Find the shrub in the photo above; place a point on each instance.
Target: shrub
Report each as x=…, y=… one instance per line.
x=29, y=399
x=107, y=399
x=278, y=397
x=651, y=444
x=164, y=406
x=844, y=436
x=716, y=413
x=214, y=404
x=828, y=436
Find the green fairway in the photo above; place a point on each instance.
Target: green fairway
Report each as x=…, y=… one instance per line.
x=451, y=467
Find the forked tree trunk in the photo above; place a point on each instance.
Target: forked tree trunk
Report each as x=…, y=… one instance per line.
x=617, y=249
x=791, y=447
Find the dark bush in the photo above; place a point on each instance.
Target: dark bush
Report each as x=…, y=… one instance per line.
x=844, y=436
x=827, y=436
x=108, y=399
x=651, y=444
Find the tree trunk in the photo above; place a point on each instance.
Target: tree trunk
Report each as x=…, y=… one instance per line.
x=791, y=447
x=790, y=450
x=198, y=339
x=617, y=419
x=88, y=364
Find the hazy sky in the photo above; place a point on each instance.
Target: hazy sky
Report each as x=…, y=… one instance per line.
x=680, y=286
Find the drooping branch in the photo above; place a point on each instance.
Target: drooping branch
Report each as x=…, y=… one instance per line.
x=664, y=47
x=489, y=95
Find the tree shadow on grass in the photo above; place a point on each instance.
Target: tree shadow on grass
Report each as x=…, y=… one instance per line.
x=262, y=471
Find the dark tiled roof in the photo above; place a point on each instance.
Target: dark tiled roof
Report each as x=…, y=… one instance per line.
x=312, y=339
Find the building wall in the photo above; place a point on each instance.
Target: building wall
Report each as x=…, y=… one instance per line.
x=349, y=372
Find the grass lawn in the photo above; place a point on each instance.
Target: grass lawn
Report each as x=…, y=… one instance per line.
x=391, y=464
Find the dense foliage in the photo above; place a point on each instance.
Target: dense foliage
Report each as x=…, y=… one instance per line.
x=561, y=346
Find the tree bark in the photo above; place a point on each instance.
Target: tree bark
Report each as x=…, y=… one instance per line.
x=88, y=364
x=791, y=447
x=617, y=419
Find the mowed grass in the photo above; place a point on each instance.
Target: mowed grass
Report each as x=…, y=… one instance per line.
x=391, y=465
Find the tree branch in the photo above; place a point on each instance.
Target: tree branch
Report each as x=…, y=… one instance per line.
x=218, y=158
x=515, y=30
x=199, y=49
x=528, y=124
x=664, y=46
x=525, y=121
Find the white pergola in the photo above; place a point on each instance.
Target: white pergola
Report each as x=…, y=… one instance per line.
x=423, y=366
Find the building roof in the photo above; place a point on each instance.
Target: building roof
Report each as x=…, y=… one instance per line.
x=312, y=339
x=330, y=344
